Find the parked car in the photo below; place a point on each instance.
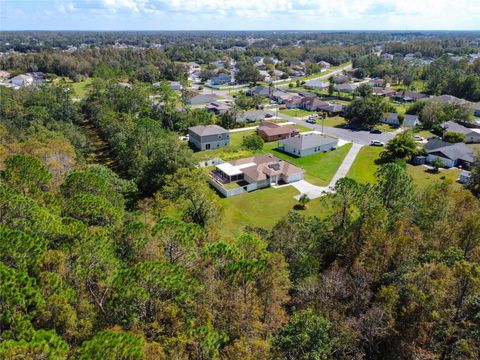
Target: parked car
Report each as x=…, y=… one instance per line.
x=311, y=120
x=433, y=137
x=377, y=143
x=418, y=138
x=268, y=115
x=314, y=116
x=375, y=131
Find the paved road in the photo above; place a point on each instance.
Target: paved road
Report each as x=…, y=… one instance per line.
x=357, y=137
x=321, y=77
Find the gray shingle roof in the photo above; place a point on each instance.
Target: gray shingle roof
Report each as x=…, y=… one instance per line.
x=205, y=130
x=308, y=141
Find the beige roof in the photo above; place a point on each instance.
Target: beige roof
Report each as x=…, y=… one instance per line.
x=265, y=164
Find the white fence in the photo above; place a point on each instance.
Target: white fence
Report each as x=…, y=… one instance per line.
x=239, y=190
x=210, y=162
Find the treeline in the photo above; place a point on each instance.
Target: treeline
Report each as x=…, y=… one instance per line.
x=461, y=79
x=434, y=47
x=139, y=64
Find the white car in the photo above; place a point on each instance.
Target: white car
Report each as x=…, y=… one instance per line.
x=418, y=138
x=377, y=143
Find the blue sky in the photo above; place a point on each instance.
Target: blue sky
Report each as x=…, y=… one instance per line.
x=239, y=15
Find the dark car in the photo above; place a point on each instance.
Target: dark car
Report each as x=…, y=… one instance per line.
x=375, y=131
x=268, y=115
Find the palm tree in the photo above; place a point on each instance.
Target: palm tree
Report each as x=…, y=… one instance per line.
x=303, y=200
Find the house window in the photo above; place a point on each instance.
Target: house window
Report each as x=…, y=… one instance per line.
x=219, y=136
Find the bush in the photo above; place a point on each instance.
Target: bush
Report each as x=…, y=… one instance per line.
x=453, y=137
x=253, y=142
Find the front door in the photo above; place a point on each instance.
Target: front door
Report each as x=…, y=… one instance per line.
x=207, y=146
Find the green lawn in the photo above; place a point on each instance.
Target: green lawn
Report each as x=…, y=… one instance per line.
x=422, y=177
x=263, y=208
x=385, y=127
x=334, y=121
x=475, y=147
x=79, y=88
x=363, y=168
x=297, y=112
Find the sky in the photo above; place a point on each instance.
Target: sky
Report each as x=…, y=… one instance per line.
x=239, y=15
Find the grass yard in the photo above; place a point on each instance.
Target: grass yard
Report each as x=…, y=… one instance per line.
x=297, y=112
x=364, y=168
x=475, y=147
x=334, y=121
x=264, y=208
x=385, y=127
x=422, y=177
x=80, y=88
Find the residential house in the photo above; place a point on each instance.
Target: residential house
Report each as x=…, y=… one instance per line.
x=207, y=137
x=278, y=73
x=324, y=64
x=218, y=108
x=316, y=85
x=263, y=91
x=408, y=121
x=22, y=80
x=280, y=96
x=345, y=88
x=294, y=102
x=452, y=154
x=383, y=92
x=471, y=135
x=254, y=115
x=221, y=79
x=340, y=79
x=253, y=173
x=409, y=96
x=308, y=144
x=376, y=83
x=194, y=98
x=333, y=109
x=270, y=131
x=450, y=99
x=314, y=104
x=266, y=75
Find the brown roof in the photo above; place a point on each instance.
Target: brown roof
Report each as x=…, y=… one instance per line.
x=271, y=131
x=265, y=164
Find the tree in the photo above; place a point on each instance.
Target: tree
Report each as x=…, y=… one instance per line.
x=303, y=201
x=304, y=337
x=395, y=189
x=189, y=189
x=93, y=210
x=453, y=137
x=42, y=345
x=112, y=345
x=473, y=183
x=437, y=163
x=364, y=90
x=402, y=146
x=27, y=174
x=247, y=73
x=367, y=111
x=253, y=142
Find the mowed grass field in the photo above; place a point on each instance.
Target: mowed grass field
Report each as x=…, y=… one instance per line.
x=264, y=208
